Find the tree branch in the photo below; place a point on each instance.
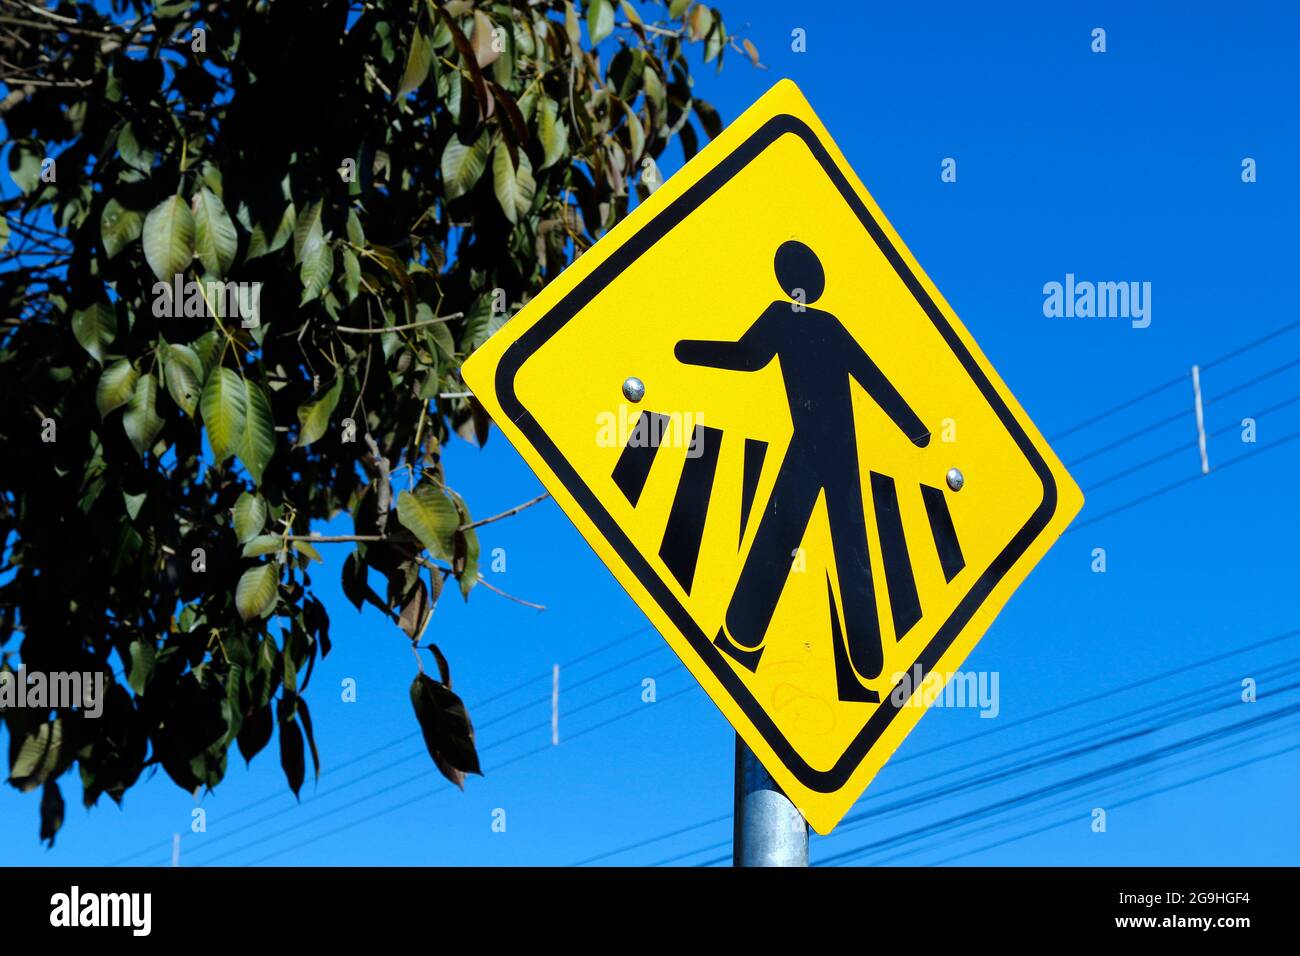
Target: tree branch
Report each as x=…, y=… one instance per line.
x=496, y=590
x=351, y=538
x=506, y=514
x=400, y=328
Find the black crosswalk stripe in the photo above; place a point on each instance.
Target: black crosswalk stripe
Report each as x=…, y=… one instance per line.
x=904, y=604
x=633, y=467
x=943, y=532
x=684, y=528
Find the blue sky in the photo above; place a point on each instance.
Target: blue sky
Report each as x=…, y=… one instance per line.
x=1117, y=166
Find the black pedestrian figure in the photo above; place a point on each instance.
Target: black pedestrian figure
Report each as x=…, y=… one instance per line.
x=818, y=357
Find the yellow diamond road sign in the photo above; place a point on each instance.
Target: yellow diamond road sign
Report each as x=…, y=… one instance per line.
x=778, y=436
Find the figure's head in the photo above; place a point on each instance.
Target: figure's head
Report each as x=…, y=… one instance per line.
x=798, y=268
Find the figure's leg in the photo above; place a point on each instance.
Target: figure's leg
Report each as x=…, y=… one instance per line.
x=853, y=566
x=781, y=529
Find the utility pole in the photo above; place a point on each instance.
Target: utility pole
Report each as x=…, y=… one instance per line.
x=769, y=829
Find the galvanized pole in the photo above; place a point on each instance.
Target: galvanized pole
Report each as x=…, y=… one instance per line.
x=769, y=831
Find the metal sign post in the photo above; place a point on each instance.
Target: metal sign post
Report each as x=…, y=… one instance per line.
x=769, y=829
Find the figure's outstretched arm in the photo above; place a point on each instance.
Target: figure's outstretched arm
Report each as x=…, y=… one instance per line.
x=749, y=354
x=869, y=376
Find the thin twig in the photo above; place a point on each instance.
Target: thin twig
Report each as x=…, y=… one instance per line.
x=496, y=590
x=420, y=559
x=399, y=328
x=506, y=514
x=350, y=538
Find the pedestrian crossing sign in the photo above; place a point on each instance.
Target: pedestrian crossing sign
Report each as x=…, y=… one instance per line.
x=776, y=433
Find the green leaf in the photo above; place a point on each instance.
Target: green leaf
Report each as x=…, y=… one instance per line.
x=25, y=165
x=134, y=503
x=600, y=19
x=259, y=245
x=418, y=59
x=169, y=238
x=236, y=701
x=415, y=611
x=317, y=267
x=625, y=74
x=257, y=443
x=116, y=386
x=52, y=809
x=571, y=28
x=462, y=165
x=636, y=135
x=446, y=728
x=314, y=414
x=256, y=592
x=263, y=544
x=514, y=188
x=143, y=655
x=552, y=132
x=184, y=376
x=95, y=327
x=141, y=419
x=133, y=154
x=292, y=758
x=307, y=231
x=466, y=557
x=224, y=406
x=709, y=117
x=356, y=234
x=250, y=516
x=526, y=186
x=119, y=227
x=303, y=547
x=304, y=717
x=431, y=516
x=215, y=239
x=351, y=274
x=39, y=757
x=255, y=732
x=714, y=43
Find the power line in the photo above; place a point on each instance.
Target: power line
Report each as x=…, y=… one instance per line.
x=399, y=806
x=1122, y=407
x=1103, y=695
x=1057, y=787
x=418, y=755
x=1150, y=393
x=652, y=840
x=1285, y=439
x=1011, y=803
x=1131, y=800
x=1141, y=683
x=501, y=695
x=1014, y=769
x=1187, y=446
x=1105, y=793
x=1181, y=415
x=1177, y=710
